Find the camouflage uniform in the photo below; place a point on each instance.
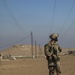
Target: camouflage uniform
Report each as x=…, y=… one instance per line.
x=51, y=50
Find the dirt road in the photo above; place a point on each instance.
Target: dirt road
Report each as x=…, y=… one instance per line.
x=36, y=66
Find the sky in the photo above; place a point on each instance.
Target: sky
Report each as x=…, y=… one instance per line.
x=43, y=17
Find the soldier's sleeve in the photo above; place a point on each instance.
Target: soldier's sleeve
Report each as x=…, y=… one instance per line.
x=46, y=50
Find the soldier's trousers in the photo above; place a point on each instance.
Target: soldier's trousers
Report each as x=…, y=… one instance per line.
x=54, y=67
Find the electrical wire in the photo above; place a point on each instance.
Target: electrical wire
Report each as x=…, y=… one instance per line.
x=15, y=42
x=67, y=17
x=12, y=15
x=68, y=29
x=53, y=16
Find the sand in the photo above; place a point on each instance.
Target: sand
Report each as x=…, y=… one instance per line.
x=36, y=66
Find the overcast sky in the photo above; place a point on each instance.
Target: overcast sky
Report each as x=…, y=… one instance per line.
x=43, y=17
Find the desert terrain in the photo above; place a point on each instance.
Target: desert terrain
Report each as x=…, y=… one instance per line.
x=36, y=66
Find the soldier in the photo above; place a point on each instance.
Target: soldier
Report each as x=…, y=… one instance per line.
x=51, y=50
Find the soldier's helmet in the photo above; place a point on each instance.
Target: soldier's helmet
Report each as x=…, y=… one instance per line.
x=53, y=36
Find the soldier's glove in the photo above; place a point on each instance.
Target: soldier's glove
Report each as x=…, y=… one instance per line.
x=55, y=57
x=60, y=49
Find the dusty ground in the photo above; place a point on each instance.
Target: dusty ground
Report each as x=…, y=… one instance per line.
x=37, y=66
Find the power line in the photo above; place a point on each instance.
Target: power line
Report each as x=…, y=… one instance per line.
x=67, y=17
x=53, y=16
x=68, y=29
x=12, y=15
x=15, y=42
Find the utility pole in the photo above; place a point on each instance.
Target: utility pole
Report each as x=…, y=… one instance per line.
x=35, y=50
x=32, y=53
